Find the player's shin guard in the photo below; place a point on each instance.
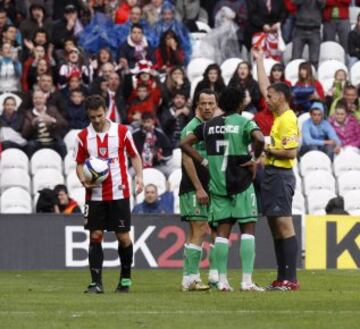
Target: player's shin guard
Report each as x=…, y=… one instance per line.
x=247, y=253
x=221, y=254
x=96, y=258
x=126, y=259
x=290, y=250
x=194, y=257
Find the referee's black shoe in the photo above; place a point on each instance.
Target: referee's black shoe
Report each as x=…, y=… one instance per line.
x=123, y=286
x=94, y=288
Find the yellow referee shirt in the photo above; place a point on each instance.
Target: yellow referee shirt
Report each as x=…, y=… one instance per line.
x=284, y=135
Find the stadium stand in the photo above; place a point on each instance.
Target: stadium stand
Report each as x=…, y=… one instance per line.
x=96, y=66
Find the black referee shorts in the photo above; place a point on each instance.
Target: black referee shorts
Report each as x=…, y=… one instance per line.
x=108, y=215
x=277, y=191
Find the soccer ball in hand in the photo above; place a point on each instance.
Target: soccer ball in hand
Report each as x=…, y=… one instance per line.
x=96, y=170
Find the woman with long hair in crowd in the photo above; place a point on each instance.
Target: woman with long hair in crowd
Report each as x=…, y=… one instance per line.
x=212, y=79
x=175, y=80
x=307, y=89
x=243, y=79
x=169, y=53
x=277, y=74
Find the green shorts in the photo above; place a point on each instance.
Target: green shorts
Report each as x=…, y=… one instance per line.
x=191, y=209
x=241, y=207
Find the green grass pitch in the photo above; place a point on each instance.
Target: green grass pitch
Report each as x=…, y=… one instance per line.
x=55, y=299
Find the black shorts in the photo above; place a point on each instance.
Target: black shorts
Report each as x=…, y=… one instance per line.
x=277, y=191
x=108, y=215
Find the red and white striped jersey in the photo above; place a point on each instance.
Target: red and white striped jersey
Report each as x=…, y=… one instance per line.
x=113, y=146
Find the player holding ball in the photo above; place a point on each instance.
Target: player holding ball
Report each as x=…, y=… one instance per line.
x=108, y=202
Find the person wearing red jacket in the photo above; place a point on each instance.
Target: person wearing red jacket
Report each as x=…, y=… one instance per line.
x=336, y=21
x=123, y=11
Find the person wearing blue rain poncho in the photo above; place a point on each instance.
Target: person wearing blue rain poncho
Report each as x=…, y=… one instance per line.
x=168, y=22
x=98, y=34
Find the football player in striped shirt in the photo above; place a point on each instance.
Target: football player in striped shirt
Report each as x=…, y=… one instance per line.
x=108, y=204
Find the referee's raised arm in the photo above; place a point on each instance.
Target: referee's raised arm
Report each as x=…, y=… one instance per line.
x=263, y=80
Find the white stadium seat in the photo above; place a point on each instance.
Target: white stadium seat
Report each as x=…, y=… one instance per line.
x=298, y=186
x=16, y=200
x=352, y=204
x=153, y=176
x=196, y=67
x=331, y=50
x=228, y=68
x=317, y=200
x=78, y=194
x=313, y=161
x=319, y=180
x=45, y=159
x=302, y=118
x=355, y=74
x=70, y=139
x=345, y=162
x=348, y=182
x=298, y=204
x=72, y=181
x=327, y=69
x=287, y=54
x=353, y=14
x=268, y=63
x=175, y=179
x=46, y=178
x=14, y=178
x=14, y=158
x=69, y=163
x=193, y=86
x=175, y=160
x=292, y=70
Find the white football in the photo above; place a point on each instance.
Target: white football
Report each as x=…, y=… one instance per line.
x=96, y=170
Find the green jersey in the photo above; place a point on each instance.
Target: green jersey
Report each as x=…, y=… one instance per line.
x=227, y=140
x=186, y=184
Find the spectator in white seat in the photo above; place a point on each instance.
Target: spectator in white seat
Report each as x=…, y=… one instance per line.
x=318, y=134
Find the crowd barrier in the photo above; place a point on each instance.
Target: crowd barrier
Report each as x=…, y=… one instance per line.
x=58, y=242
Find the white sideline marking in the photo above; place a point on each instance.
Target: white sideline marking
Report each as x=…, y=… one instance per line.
x=185, y=312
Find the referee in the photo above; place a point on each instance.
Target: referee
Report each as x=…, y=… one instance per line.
x=278, y=185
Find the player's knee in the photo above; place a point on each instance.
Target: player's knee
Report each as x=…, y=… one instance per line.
x=123, y=239
x=96, y=238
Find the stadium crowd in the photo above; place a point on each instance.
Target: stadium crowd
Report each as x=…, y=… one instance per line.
x=138, y=54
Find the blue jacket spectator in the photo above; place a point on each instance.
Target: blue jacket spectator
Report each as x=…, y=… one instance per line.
x=318, y=134
x=152, y=204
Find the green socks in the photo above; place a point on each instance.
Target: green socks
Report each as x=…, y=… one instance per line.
x=192, y=257
x=221, y=254
x=212, y=258
x=247, y=253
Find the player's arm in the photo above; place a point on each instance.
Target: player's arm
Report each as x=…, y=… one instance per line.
x=135, y=161
x=263, y=79
x=80, y=155
x=81, y=176
x=137, y=165
x=190, y=169
x=186, y=146
x=258, y=142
